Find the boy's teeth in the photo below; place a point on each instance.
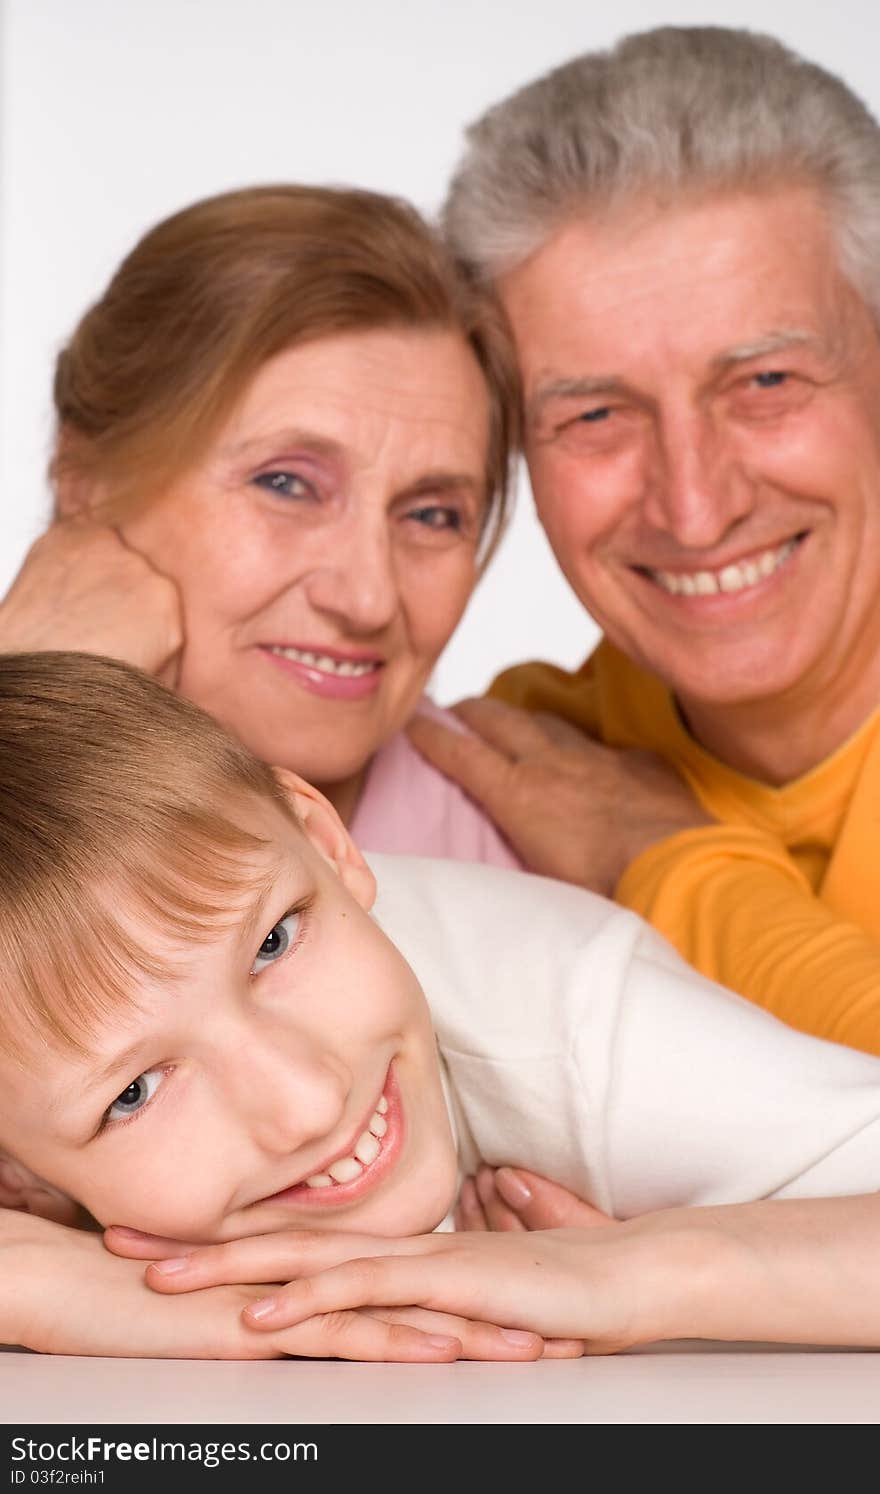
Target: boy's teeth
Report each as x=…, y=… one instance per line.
x=347, y=668
x=369, y=1145
x=730, y=578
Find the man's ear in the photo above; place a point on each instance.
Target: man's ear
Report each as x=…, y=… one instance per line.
x=22, y=1189
x=329, y=836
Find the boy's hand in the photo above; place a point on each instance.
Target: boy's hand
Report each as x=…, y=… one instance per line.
x=81, y=587
x=593, y=1284
x=512, y=1198
x=265, y=1258
x=61, y=1292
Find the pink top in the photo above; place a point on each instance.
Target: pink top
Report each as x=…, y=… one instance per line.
x=409, y=807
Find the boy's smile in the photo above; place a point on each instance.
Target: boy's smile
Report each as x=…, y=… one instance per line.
x=284, y=1072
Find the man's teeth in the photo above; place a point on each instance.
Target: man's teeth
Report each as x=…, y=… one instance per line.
x=347, y=668
x=731, y=578
x=369, y=1145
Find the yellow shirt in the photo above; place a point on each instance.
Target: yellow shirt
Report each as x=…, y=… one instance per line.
x=781, y=899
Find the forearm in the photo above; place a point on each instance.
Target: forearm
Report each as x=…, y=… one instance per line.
x=801, y=1271
x=738, y=909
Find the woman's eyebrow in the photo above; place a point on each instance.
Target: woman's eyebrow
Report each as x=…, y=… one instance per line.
x=276, y=441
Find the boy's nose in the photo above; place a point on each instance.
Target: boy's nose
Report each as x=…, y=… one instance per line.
x=289, y=1099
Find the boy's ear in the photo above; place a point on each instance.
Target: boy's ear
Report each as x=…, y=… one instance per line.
x=329, y=836
x=22, y=1189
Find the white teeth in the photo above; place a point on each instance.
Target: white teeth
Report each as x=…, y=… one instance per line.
x=730, y=578
x=345, y=1170
x=367, y=1149
x=369, y=1145
x=346, y=668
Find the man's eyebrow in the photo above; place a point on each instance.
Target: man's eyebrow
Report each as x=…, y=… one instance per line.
x=761, y=347
x=585, y=388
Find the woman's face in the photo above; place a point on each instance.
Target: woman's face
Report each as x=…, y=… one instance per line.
x=325, y=546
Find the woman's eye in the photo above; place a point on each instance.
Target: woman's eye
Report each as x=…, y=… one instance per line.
x=277, y=942
x=433, y=516
x=135, y=1095
x=285, y=484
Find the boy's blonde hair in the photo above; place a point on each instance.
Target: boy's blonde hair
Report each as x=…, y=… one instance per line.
x=118, y=801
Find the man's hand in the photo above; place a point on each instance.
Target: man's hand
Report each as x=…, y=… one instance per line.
x=82, y=588
x=262, y=1258
x=572, y=809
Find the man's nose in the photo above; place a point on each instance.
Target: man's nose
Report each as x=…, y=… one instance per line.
x=696, y=489
x=356, y=580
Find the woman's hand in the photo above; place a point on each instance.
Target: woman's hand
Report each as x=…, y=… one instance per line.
x=263, y=1258
x=570, y=807
x=512, y=1198
x=82, y=588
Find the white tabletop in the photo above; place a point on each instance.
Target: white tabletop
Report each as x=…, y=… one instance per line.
x=692, y=1383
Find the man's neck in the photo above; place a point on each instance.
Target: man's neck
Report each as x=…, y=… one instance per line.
x=779, y=740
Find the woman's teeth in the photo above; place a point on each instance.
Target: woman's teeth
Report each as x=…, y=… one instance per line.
x=347, y=668
x=369, y=1145
x=730, y=578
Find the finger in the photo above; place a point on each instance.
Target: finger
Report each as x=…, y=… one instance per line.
x=565, y=734
x=377, y=1281
x=134, y=1244
x=564, y=1348
x=267, y=1258
x=469, y=761
x=499, y=1218
x=478, y=1340
x=363, y=1336
x=469, y=1213
x=512, y=731
x=539, y=1203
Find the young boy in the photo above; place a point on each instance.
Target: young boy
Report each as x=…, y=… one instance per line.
x=208, y=1035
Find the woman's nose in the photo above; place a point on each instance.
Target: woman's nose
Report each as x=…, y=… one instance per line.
x=356, y=580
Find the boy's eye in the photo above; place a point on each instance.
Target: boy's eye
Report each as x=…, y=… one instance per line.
x=135, y=1095
x=277, y=942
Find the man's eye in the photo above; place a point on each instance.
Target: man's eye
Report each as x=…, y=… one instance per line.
x=771, y=379
x=594, y=417
x=277, y=942
x=285, y=484
x=135, y=1095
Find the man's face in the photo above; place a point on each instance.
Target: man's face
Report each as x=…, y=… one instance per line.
x=285, y=1075
x=703, y=403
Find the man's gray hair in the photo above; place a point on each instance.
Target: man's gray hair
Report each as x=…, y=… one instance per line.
x=677, y=109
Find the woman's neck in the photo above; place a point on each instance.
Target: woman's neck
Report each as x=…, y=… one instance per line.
x=345, y=794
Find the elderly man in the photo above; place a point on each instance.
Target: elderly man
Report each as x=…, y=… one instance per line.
x=684, y=232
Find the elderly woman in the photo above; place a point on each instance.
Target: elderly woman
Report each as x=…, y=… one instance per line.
x=282, y=458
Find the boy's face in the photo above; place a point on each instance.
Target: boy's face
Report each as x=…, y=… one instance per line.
x=286, y=1075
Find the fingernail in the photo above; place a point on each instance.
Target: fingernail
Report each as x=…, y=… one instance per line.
x=512, y=1188
x=174, y=1263
x=516, y=1336
x=262, y=1309
x=438, y=1342
x=130, y=1234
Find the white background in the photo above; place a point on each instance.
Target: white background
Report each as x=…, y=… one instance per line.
x=117, y=112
